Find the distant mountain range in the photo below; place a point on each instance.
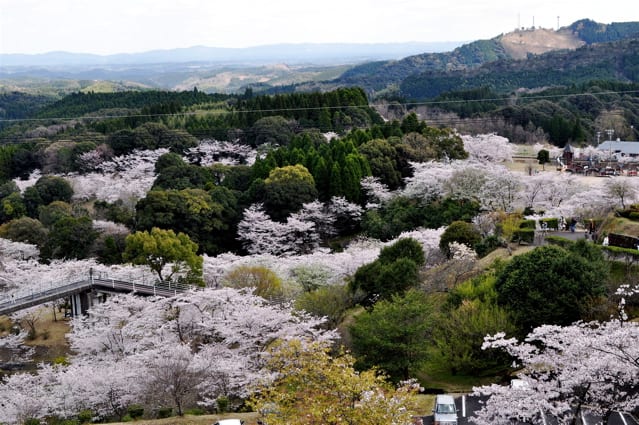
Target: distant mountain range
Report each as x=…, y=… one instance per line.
x=528, y=59
x=292, y=54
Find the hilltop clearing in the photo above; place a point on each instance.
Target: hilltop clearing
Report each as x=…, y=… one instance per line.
x=519, y=44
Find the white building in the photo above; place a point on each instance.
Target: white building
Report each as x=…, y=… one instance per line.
x=619, y=148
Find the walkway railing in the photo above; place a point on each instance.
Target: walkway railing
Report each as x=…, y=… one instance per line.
x=50, y=292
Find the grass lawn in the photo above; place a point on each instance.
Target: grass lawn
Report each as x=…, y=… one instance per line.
x=248, y=418
x=50, y=342
x=422, y=405
x=453, y=384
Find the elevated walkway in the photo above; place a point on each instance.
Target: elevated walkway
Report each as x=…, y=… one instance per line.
x=85, y=293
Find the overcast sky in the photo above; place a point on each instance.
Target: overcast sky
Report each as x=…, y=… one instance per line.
x=126, y=26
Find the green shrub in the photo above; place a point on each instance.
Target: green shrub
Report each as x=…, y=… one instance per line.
x=329, y=301
x=524, y=235
x=135, y=411
x=61, y=360
x=165, y=412
x=620, y=249
x=559, y=241
x=528, y=224
x=487, y=245
x=196, y=411
x=551, y=223
x=460, y=232
x=85, y=416
x=634, y=215
x=222, y=404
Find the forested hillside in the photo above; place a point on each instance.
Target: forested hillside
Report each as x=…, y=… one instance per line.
x=611, y=61
x=375, y=77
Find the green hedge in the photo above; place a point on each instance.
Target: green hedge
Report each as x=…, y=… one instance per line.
x=528, y=224
x=559, y=241
x=551, y=223
x=617, y=251
x=524, y=235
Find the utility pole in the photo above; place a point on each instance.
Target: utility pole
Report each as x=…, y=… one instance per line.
x=610, y=132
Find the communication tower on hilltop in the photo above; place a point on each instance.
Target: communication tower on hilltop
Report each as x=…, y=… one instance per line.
x=518, y=21
x=557, y=23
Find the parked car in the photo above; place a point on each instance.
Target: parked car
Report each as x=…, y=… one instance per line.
x=445, y=411
x=229, y=422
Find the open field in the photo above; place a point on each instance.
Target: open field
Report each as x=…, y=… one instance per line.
x=249, y=419
x=524, y=167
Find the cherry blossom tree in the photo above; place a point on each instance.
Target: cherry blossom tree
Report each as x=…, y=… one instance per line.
x=209, y=152
x=126, y=177
x=10, y=250
x=501, y=191
x=301, y=232
x=174, y=378
x=91, y=160
x=322, y=218
x=621, y=190
x=347, y=214
x=338, y=265
x=31, y=181
x=429, y=240
x=533, y=190
x=566, y=369
x=376, y=191
x=259, y=234
x=559, y=188
x=466, y=183
x=179, y=351
x=488, y=148
x=22, y=397
x=427, y=181
x=487, y=223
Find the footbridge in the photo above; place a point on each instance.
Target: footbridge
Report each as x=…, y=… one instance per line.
x=84, y=293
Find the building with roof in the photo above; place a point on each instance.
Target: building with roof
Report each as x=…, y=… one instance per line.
x=619, y=148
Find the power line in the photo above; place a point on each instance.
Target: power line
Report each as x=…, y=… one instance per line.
x=373, y=105
x=212, y=132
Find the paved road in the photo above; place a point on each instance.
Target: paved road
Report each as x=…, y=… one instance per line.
x=464, y=405
x=474, y=403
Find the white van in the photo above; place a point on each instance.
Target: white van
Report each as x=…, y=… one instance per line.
x=445, y=411
x=229, y=422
